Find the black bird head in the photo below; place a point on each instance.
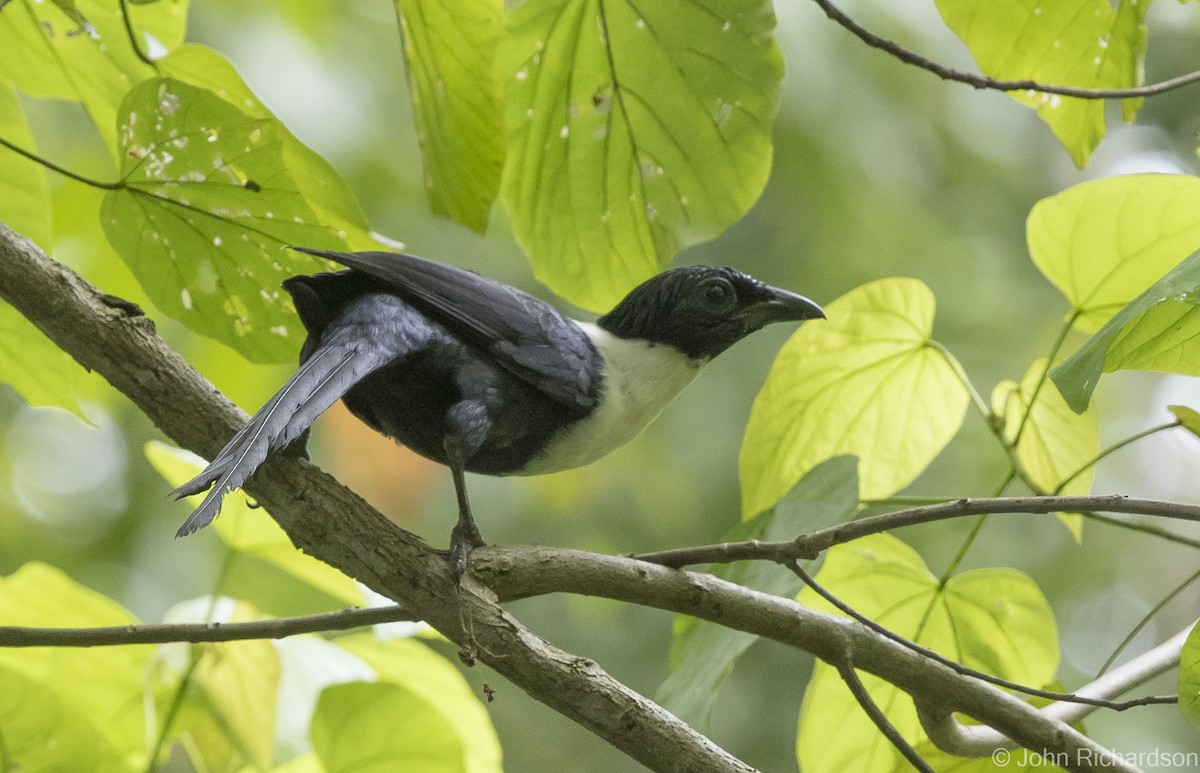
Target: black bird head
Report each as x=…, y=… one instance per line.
x=703, y=310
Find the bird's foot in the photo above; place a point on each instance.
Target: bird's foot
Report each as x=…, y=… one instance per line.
x=463, y=539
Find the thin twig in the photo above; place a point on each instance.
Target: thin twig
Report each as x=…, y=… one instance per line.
x=871, y=709
x=1144, y=528
x=810, y=545
x=984, y=82
x=15, y=636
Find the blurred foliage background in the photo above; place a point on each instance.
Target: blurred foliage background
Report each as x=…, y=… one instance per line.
x=879, y=170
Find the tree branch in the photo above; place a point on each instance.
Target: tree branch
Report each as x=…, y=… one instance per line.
x=985, y=82
x=523, y=571
x=328, y=521
x=341, y=620
x=808, y=546
x=871, y=709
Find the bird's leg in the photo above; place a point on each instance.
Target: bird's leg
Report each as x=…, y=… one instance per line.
x=466, y=426
x=465, y=536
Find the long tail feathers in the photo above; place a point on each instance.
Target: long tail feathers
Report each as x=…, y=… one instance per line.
x=320, y=381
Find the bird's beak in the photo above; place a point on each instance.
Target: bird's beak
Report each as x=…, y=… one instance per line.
x=780, y=306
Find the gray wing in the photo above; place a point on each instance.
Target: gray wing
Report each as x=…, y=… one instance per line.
x=346, y=354
x=524, y=335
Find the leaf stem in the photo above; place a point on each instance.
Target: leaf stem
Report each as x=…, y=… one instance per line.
x=1117, y=446
x=133, y=42
x=1037, y=389
x=1144, y=622
x=989, y=418
x=970, y=539
x=115, y=186
x=195, y=653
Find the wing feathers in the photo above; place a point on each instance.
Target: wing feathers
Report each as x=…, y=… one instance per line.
x=497, y=319
x=325, y=377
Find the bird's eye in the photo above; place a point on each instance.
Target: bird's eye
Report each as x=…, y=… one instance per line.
x=717, y=293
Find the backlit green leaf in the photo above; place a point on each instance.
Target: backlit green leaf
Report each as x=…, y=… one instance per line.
x=206, y=211
x=634, y=130
x=450, y=51
x=420, y=671
x=254, y=532
x=101, y=686
x=1084, y=43
x=378, y=727
x=1189, y=678
x=320, y=184
x=29, y=362
x=82, y=52
x=40, y=730
x=868, y=382
x=1156, y=331
x=1101, y=243
x=703, y=653
x=992, y=620
x=24, y=189
x=1055, y=442
x=240, y=680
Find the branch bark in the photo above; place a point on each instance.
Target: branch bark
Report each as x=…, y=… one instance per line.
x=985, y=82
x=275, y=628
x=808, y=546
x=328, y=521
x=523, y=571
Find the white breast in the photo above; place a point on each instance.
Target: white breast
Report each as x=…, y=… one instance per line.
x=640, y=378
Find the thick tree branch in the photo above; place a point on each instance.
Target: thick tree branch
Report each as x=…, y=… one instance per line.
x=523, y=571
x=333, y=524
x=808, y=546
x=343, y=619
x=984, y=82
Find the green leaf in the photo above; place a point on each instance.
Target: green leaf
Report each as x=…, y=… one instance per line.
x=1156, y=331
x=450, y=51
x=322, y=187
x=992, y=620
x=702, y=653
x=1055, y=442
x=24, y=189
x=205, y=212
x=1103, y=242
x=240, y=682
x=377, y=727
x=1189, y=678
x=29, y=362
x=1083, y=43
x=253, y=532
x=868, y=382
x=1188, y=418
x=101, y=686
x=82, y=51
x=426, y=675
x=40, y=730
x=635, y=130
